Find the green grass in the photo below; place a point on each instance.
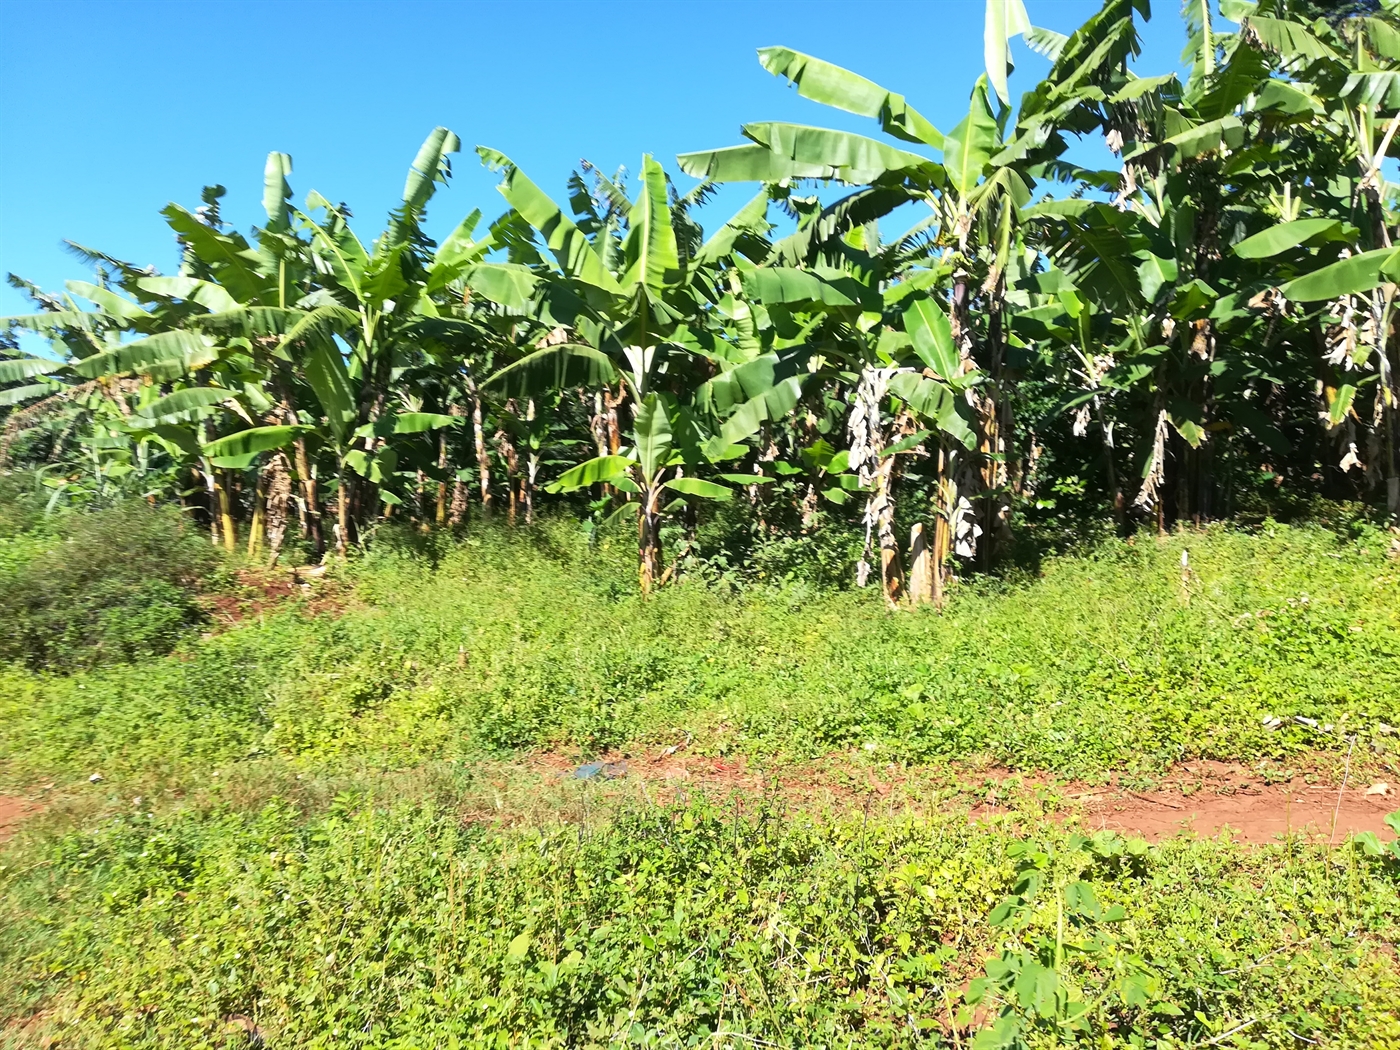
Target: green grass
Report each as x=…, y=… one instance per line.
x=336, y=841
x=1104, y=662
x=382, y=922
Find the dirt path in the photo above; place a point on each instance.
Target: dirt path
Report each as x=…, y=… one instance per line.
x=12, y=811
x=1202, y=798
x=1207, y=797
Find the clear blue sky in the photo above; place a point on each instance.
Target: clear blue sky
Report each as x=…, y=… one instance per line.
x=111, y=109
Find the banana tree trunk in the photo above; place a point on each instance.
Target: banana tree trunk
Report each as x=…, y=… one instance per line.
x=612, y=404
x=279, y=494
x=342, y=512
x=440, y=507
x=211, y=499
x=945, y=507
x=882, y=505
x=483, y=458
x=920, y=566
x=257, y=527
x=440, y=510
x=1115, y=489
x=649, y=538
x=532, y=466
x=227, y=529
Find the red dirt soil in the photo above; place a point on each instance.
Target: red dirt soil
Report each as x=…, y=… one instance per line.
x=1206, y=797
x=1202, y=798
x=266, y=590
x=12, y=811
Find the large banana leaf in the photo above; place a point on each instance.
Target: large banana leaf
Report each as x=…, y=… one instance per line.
x=183, y=403
x=855, y=209
x=1289, y=40
x=601, y=468
x=108, y=301
x=508, y=284
x=1225, y=132
x=932, y=336
x=176, y=347
x=13, y=369
x=1285, y=235
x=556, y=368
x=457, y=252
x=970, y=145
x=782, y=284
x=419, y=422
x=749, y=221
x=729, y=389
x=235, y=450
x=933, y=401
x=653, y=260
x=1351, y=276
x=652, y=431
x=318, y=326
x=1383, y=37
x=18, y=394
x=860, y=159
x=566, y=241
x=177, y=439
x=699, y=487
x=208, y=294
x=1380, y=89
x=772, y=404
x=336, y=244
x=325, y=370
x=833, y=86
x=237, y=267
x=755, y=163
x=430, y=167
x=50, y=322
x=1004, y=19
x=277, y=192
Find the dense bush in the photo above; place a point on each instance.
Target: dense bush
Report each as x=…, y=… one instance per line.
x=96, y=588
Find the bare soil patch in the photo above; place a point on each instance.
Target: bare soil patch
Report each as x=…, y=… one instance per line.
x=12, y=812
x=261, y=591
x=1203, y=798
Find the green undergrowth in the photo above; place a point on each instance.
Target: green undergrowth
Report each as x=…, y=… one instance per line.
x=99, y=588
x=1114, y=660
x=380, y=921
x=322, y=829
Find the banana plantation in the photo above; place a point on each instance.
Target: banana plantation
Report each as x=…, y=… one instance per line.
x=914, y=333
x=927, y=587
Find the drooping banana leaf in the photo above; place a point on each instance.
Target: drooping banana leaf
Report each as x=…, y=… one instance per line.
x=832, y=85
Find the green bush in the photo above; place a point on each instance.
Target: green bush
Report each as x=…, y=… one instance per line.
x=91, y=589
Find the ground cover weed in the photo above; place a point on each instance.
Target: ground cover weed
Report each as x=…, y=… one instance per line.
x=381, y=922
x=1112, y=661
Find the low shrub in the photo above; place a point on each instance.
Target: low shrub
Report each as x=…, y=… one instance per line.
x=90, y=589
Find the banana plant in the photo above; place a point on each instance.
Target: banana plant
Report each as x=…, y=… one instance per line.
x=665, y=440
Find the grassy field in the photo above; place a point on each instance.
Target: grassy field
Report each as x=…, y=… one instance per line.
x=340, y=821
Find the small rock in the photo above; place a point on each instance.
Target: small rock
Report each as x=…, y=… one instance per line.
x=1378, y=789
x=96, y=778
